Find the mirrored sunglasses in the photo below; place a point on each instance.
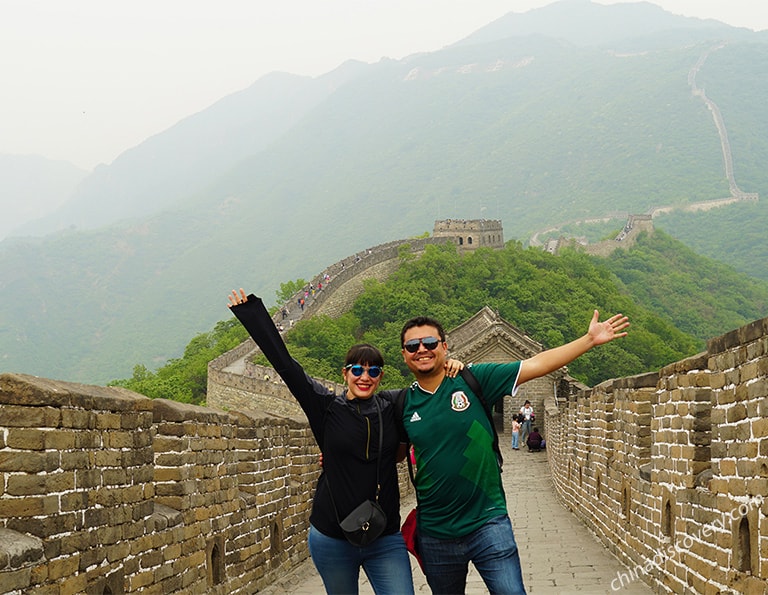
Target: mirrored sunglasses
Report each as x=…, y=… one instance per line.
x=412, y=345
x=357, y=370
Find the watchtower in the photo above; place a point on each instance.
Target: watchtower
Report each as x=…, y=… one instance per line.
x=470, y=234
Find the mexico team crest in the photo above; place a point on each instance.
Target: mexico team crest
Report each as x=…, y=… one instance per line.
x=459, y=401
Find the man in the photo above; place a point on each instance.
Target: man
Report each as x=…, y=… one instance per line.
x=462, y=514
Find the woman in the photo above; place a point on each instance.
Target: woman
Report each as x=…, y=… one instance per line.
x=346, y=428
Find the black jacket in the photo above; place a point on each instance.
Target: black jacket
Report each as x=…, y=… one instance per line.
x=347, y=432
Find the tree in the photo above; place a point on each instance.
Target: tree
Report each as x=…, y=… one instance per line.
x=289, y=289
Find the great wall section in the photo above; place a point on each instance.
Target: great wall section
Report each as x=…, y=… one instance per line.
x=105, y=491
x=644, y=222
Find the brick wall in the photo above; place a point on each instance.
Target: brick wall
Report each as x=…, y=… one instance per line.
x=106, y=491
x=669, y=469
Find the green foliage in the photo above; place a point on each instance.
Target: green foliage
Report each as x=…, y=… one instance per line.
x=289, y=289
x=697, y=295
x=733, y=235
x=674, y=298
x=549, y=298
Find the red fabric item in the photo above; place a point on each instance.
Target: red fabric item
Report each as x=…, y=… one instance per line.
x=409, y=535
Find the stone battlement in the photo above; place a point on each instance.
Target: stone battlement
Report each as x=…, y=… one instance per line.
x=107, y=491
x=669, y=469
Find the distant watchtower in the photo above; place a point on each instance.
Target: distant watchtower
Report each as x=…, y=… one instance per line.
x=470, y=234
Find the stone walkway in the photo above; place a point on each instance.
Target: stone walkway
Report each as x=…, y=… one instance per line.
x=559, y=554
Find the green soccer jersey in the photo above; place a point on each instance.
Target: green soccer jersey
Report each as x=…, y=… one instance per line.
x=458, y=481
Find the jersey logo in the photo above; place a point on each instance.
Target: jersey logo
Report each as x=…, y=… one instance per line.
x=415, y=416
x=459, y=401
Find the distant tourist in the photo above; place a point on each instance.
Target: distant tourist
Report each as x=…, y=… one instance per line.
x=515, y=432
x=526, y=417
x=535, y=441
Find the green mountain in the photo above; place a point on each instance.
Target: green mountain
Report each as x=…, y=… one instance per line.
x=674, y=299
x=528, y=126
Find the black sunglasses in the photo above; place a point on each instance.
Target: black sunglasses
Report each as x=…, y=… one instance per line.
x=357, y=370
x=412, y=345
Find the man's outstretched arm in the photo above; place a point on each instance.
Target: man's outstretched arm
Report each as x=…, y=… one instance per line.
x=557, y=357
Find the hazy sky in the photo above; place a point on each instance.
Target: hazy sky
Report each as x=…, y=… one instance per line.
x=84, y=80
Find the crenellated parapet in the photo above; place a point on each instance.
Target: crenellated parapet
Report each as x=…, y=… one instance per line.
x=669, y=469
x=107, y=491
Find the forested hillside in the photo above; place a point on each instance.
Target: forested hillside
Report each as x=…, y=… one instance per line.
x=701, y=297
x=675, y=300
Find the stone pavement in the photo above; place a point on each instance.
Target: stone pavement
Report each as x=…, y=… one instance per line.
x=559, y=554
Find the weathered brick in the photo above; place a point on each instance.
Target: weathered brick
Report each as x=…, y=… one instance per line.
x=26, y=438
x=73, y=585
x=15, y=580
x=27, y=507
x=27, y=485
x=78, y=419
x=63, y=567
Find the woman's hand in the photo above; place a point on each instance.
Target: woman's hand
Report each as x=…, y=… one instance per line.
x=235, y=299
x=453, y=367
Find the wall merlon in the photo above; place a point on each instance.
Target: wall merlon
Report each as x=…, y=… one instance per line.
x=22, y=389
x=739, y=337
x=695, y=362
x=647, y=380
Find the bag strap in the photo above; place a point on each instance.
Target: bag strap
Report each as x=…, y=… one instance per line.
x=474, y=385
x=399, y=407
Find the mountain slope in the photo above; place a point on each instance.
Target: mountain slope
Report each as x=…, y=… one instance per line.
x=31, y=186
x=172, y=165
x=529, y=130
x=700, y=296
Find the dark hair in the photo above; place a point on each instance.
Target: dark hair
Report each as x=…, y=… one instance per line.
x=363, y=353
x=422, y=321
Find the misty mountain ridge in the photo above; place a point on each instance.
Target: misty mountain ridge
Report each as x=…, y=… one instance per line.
x=614, y=26
x=172, y=165
x=32, y=186
x=292, y=174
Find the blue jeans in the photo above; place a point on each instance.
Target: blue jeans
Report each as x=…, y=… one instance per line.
x=525, y=429
x=491, y=548
x=385, y=562
x=516, y=439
